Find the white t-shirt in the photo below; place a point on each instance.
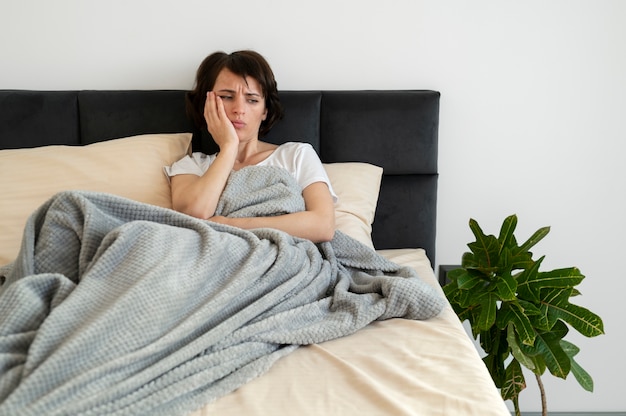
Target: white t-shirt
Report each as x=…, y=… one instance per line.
x=300, y=159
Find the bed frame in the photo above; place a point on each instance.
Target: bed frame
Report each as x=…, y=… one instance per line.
x=393, y=366
x=397, y=130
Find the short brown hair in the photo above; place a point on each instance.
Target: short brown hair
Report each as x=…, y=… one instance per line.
x=246, y=64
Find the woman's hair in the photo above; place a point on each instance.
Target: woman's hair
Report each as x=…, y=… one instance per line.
x=246, y=64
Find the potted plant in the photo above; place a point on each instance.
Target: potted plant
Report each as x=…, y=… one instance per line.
x=520, y=314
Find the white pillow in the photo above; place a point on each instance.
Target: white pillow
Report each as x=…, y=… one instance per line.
x=130, y=167
x=357, y=186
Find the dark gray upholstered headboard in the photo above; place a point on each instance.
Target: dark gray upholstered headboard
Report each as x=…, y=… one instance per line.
x=397, y=130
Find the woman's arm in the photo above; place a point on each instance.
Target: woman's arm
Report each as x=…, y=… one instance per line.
x=316, y=223
x=198, y=195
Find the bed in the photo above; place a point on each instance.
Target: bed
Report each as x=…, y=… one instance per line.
x=380, y=151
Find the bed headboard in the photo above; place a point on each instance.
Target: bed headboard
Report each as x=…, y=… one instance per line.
x=397, y=130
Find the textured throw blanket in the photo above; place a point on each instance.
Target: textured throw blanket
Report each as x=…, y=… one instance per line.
x=114, y=307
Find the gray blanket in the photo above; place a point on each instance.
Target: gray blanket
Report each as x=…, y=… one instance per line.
x=116, y=307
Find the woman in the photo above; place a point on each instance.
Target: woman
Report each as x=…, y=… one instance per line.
x=236, y=98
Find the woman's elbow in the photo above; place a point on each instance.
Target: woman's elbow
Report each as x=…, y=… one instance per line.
x=194, y=210
x=326, y=230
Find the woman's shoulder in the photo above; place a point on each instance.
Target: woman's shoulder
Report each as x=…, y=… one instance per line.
x=199, y=159
x=196, y=163
x=201, y=156
x=287, y=145
x=294, y=147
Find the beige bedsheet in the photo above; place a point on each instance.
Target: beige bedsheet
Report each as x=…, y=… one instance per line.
x=395, y=367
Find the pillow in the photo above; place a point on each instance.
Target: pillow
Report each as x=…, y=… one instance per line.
x=357, y=186
x=130, y=167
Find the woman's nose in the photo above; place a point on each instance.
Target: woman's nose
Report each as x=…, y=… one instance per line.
x=239, y=104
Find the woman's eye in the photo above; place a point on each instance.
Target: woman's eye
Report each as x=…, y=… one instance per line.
x=253, y=101
x=225, y=97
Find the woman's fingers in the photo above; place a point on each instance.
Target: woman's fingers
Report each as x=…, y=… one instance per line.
x=210, y=113
x=213, y=116
x=217, y=121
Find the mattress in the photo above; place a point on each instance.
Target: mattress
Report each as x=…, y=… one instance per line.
x=393, y=367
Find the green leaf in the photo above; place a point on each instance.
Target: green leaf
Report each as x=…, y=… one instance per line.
x=504, y=262
x=559, y=330
x=454, y=274
x=525, y=279
x=493, y=341
x=495, y=364
x=512, y=312
x=583, y=378
x=506, y=287
x=515, y=349
x=547, y=344
x=506, y=237
x=468, y=280
x=488, y=311
x=451, y=291
x=469, y=261
x=520, y=260
x=570, y=349
x=514, y=381
x=540, y=364
x=529, y=308
x=583, y=320
x=497, y=349
x=535, y=315
x=485, y=249
x=470, y=314
x=550, y=303
x=556, y=306
x=535, y=238
x=465, y=299
x=568, y=277
x=461, y=312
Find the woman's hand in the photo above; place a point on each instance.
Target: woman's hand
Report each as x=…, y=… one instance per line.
x=198, y=195
x=218, y=123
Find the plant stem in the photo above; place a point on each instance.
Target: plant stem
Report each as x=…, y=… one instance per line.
x=544, y=405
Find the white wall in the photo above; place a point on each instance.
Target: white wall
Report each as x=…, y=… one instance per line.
x=532, y=109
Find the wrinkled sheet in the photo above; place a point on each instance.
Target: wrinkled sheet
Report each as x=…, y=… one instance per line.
x=117, y=307
x=396, y=367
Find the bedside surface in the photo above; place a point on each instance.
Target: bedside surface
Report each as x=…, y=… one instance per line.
x=443, y=272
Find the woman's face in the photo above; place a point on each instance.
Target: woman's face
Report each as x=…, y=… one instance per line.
x=243, y=101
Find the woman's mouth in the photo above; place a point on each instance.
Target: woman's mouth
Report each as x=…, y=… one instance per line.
x=238, y=124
